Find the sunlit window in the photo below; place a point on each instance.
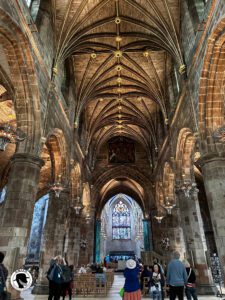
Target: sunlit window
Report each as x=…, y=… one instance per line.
x=121, y=223
x=2, y=194
x=28, y=2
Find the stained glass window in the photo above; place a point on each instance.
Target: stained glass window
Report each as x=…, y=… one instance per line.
x=121, y=227
x=2, y=194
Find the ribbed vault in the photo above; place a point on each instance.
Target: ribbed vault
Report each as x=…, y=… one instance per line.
x=122, y=52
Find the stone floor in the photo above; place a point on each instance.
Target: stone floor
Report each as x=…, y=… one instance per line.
x=112, y=295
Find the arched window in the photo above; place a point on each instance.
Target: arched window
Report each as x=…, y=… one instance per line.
x=2, y=194
x=121, y=224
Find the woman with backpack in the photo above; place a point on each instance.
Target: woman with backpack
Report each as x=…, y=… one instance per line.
x=56, y=278
x=68, y=280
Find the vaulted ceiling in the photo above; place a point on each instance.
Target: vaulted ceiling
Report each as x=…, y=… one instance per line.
x=122, y=52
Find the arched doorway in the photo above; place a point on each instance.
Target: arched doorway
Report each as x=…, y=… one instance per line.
x=120, y=230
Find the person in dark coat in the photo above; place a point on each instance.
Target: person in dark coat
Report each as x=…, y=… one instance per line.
x=3, y=275
x=56, y=278
x=145, y=273
x=190, y=289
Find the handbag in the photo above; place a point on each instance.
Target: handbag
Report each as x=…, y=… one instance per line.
x=153, y=288
x=121, y=292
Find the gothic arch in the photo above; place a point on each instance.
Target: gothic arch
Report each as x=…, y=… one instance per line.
x=58, y=151
x=22, y=75
x=211, y=93
x=128, y=173
x=184, y=154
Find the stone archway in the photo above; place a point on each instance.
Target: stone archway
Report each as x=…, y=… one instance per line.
x=211, y=94
x=187, y=198
x=21, y=72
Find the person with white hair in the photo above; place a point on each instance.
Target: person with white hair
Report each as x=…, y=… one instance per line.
x=190, y=289
x=132, y=289
x=176, y=277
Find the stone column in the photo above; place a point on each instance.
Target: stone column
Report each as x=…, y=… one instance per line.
x=17, y=210
x=87, y=228
x=214, y=179
x=54, y=237
x=192, y=224
x=73, y=239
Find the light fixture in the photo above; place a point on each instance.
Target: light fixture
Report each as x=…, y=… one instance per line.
x=88, y=219
x=168, y=205
x=78, y=206
x=10, y=135
x=186, y=186
x=119, y=80
x=159, y=218
x=57, y=187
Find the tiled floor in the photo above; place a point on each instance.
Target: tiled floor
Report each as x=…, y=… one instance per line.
x=113, y=293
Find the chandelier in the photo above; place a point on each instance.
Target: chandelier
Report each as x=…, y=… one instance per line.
x=57, y=187
x=159, y=216
x=168, y=206
x=10, y=135
x=88, y=218
x=186, y=186
x=78, y=206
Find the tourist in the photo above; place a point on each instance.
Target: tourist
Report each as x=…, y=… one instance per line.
x=3, y=276
x=131, y=286
x=68, y=280
x=176, y=277
x=190, y=289
x=157, y=283
x=82, y=270
x=55, y=277
x=145, y=274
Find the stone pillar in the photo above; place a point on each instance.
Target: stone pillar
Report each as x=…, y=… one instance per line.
x=97, y=240
x=147, y=235
x=73, y=239
x=214, y=175
x=192, y=224
x=54, y=237
x=17, y=210
x=87, y=228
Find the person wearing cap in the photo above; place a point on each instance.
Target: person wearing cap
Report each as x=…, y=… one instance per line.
x=132, y=289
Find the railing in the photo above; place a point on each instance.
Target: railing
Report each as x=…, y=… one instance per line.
x=93, y=284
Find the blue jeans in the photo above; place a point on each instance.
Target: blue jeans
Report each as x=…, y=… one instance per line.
x=157, y=295
x=191, y=293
